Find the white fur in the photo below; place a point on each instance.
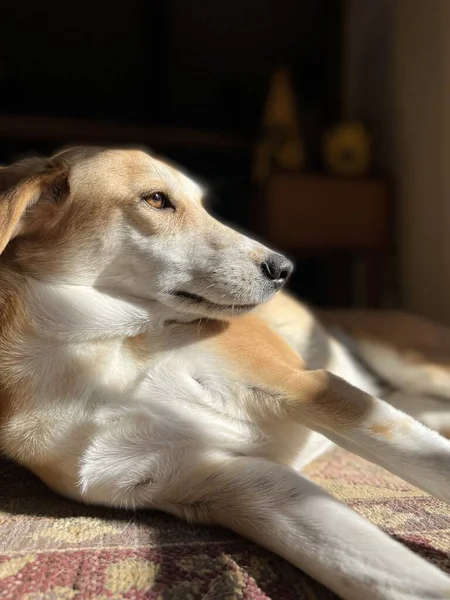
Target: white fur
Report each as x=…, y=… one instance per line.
x=138, y=445
x=182, y=431
x=414, y=378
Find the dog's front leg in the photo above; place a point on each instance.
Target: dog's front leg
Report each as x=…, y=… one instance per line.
x=373, y=429
x=348, y=416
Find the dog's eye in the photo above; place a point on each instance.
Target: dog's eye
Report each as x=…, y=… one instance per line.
x=157, y=200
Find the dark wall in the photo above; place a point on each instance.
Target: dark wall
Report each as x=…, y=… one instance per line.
x=83, y=58
x=200, y=63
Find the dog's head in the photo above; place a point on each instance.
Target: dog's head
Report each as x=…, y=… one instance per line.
x=131, y=224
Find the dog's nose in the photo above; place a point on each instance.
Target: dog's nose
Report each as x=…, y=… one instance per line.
x=277, y=269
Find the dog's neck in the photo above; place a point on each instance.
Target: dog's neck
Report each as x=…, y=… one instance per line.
x=82, y=313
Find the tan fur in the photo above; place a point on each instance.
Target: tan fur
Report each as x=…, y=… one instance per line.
x=384, y=429
x=138, y=347
x=110, y=392
x=269, y=363
x=14, y=325
x=44, y=241
x=445, y=433
x=272, y=362
x=273, y=365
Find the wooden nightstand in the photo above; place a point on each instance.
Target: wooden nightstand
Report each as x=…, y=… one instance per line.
x=345, y=221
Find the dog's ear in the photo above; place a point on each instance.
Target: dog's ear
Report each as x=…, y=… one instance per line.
x=22, y=186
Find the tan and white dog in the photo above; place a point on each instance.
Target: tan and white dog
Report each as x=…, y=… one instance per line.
x=132, y=375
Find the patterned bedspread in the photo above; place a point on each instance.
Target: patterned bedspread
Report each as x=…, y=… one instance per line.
x=53, y=548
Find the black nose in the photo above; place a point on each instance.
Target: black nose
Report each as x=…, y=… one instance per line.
x=277, y=268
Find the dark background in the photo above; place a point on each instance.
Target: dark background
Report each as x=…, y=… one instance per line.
x=195, y=66
x=200, y=63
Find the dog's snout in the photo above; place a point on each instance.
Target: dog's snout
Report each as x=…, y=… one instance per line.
x=277, y=269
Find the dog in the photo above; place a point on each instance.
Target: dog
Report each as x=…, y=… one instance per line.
x=150, y=359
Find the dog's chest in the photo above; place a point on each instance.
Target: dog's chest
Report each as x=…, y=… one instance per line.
x=192, y=392
x=187, y=389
